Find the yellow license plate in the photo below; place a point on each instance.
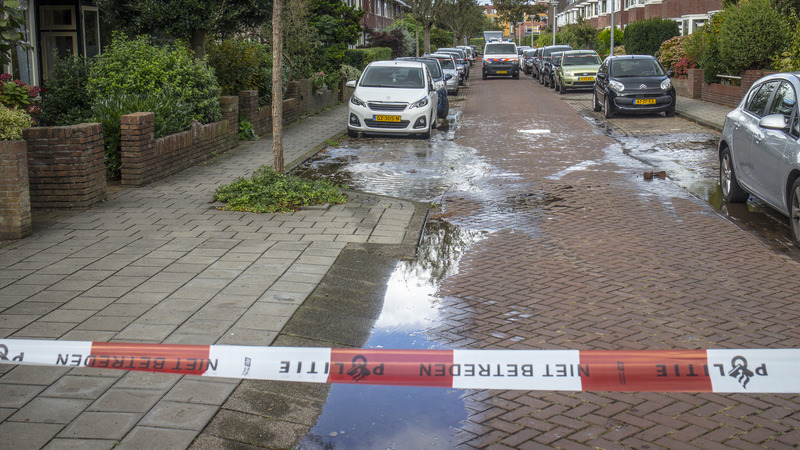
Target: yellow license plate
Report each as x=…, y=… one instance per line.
x=387, y=118
x=502, y=71
x=586, y=79
x=645, y=101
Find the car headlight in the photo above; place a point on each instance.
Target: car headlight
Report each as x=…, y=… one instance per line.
x=419, y=103
x=616, y=86
x=666, y=84
x=567, y=73
x=357, y=101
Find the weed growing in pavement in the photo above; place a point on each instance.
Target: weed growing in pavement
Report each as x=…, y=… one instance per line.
x=332, y=142
x=268, y=191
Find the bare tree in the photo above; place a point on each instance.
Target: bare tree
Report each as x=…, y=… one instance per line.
x=425, y=12
x=277, y=85
x=462, y=17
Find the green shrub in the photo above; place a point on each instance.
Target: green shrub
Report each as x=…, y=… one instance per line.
x=17, y=94
x=360, y=57
x=644, y=37
x=603, y=41
x=246, y=130
x=241, y=65
x=12, y=122
x=789, y=59
x=710, y=61
x=349, y=72
x=752, y=34
x=65, y=100
x=171, y=115
x=135, y=67
x=674, y=55
x=269, y=191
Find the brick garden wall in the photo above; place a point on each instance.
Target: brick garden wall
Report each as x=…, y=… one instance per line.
x=695, y=87
x=299, y=99
x=65, y=166
x=15, y=202
x=146, y=159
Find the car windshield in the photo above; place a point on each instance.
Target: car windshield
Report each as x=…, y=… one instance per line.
x=580, y=60
x=500, y=49
x=447, y=63
x=393, y=77
x=433, y=67
x=636, y=68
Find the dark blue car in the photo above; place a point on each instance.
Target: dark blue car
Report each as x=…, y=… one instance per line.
x=443, y=108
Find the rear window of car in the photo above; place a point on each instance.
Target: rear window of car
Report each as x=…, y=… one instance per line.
x=580, y=60
x=433, y=67
x=447, y=63
x=500, y=49
x=393, y=77
x=548, y=51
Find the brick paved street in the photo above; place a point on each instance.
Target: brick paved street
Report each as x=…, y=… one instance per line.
x=607, y=260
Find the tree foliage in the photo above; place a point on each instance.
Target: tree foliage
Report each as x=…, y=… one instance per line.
x=12, y=20
x=751, y=35
x=189, y=20
x=644, y=37
x=462, y=17
x=425, y=13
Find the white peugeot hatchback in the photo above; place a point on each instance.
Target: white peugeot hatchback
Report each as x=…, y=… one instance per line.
x=393, y=97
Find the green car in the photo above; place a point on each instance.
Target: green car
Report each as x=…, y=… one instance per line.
x=575, y=69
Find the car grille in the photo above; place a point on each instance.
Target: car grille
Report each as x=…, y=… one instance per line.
x=375, y=124
x=382, y=106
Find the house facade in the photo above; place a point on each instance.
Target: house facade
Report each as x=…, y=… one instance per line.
x=379, y=14
x=55, y=27
x=690, y=14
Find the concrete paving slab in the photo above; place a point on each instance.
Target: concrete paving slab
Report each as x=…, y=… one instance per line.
x=27, y=435
x=100, y=425
x=50, y=410
x=179, y=415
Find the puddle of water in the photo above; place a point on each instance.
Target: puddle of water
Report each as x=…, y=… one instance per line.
x=369, y=417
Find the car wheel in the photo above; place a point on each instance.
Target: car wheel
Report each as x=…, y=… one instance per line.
x=352, y=133
x=561, y=88
x=516, y=76
x=485, y=77
x=731, y=191
x=541, y=79
x=596, y=106
x=794, y=212
x=546, y=81
x=670, y=112
x=427, y=133
x=607, y=108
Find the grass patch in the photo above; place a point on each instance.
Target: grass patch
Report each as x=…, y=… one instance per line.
x=268, y=191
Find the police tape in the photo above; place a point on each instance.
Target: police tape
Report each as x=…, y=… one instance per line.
x=728, y=371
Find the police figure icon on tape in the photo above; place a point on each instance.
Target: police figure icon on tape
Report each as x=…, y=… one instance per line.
x=4, y=356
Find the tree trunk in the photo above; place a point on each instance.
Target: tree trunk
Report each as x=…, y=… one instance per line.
x=277, y=85
x=199, y=43
x=427, y=35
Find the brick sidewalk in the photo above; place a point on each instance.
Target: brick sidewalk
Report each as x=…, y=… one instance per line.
x=161, y=264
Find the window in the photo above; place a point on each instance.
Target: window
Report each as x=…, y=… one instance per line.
x=758, y=101
x=91, y=31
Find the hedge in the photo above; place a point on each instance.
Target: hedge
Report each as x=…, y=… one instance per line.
x=360, y=57
x=644, y=37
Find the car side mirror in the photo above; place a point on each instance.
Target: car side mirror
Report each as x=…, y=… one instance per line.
x=449, y=76
x=351, y=84
x=774, y=122
x=670, y=73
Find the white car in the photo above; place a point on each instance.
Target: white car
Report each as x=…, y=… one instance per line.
x=393, y=97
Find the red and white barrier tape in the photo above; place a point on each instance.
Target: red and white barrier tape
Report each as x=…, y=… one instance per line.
x=742, y=370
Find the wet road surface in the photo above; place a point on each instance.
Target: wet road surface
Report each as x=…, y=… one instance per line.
x=537, y=244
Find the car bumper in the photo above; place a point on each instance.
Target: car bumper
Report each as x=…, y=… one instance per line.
x=627, y=104
x=408, y=121
x=452, y=85
x=500, y=69
x=575, y=82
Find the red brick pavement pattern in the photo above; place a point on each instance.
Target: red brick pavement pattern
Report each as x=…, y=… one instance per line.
x=605, y=264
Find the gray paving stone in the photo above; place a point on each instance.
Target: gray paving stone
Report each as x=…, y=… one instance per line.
x=17, y=395
x=80, y=444
x=145, y=333
x=43, y=376
x=105, y=323
x=52, y=330
x=127, y=400
x=194, y=390
x=148, y=380
x=100, y=425
x=51, y=410
x=68, y=315
x=246, y=336
x=80, y=387
x=149, y=438
x=18, y=435
x=187, y=416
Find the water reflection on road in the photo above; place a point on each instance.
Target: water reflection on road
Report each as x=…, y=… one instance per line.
x=369, y=417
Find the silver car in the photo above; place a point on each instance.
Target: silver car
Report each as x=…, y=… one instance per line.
x=448, y=64
x=759, y=152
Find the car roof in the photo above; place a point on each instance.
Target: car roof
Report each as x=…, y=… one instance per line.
x=632, y=57
x=579, y=52
x=443, y=55
x=396, y=63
